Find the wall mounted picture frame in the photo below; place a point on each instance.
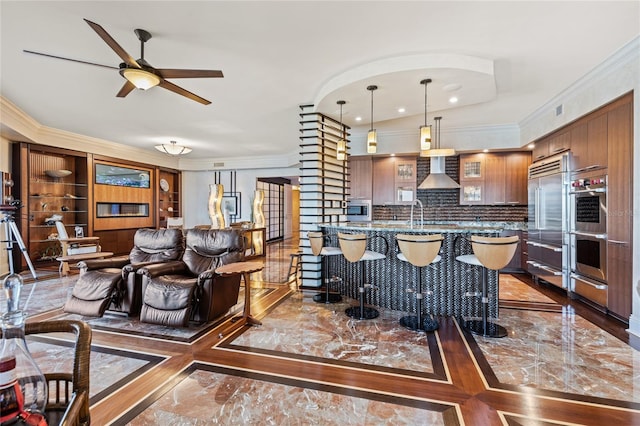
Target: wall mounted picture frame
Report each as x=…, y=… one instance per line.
x=231, y=204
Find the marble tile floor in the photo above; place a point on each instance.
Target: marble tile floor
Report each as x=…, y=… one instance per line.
x=308, y=364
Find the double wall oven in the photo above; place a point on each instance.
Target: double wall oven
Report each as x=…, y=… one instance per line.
x=589, y=237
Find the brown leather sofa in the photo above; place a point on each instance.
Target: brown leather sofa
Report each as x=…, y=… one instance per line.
x=175, y=292
x=113, y=283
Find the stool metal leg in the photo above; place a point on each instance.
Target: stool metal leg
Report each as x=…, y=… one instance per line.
x=326, y=297
x=484, y=327
x=361, y=312
x=415, y=322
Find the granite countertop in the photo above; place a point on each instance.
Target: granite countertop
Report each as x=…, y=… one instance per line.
x=430, y=226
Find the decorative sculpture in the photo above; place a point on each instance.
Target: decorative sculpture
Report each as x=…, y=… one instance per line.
x=258, y=221
x=215, y=206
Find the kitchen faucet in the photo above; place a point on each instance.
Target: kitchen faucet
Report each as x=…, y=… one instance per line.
x=421, y=213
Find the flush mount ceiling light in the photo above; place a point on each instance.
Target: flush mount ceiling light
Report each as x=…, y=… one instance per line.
x=341, y=149
x=425, y=131
x=437, y=151
x=372, y=136
x=173, y=148
x=140, y=78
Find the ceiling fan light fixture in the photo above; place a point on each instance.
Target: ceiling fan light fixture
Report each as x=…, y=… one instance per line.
x=140, y=78
x=173, y=148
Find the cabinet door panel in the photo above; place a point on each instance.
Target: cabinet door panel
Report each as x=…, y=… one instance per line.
x=580, y=147
x=360, y=176
x=383, y=181
x=494, y=183
x=516, y=178
x=560, y=143
x=597, y=141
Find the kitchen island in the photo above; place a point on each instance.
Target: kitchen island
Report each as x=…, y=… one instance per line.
x=448, y=280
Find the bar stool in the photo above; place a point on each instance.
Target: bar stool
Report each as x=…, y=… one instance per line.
x=354, y=248
x=316, y=240
x=489, y=253
x=420, y=251
x=294, y=267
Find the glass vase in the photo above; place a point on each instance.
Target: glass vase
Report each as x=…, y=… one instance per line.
x=23, y=387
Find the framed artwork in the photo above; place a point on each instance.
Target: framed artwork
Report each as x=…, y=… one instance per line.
x=231, y=204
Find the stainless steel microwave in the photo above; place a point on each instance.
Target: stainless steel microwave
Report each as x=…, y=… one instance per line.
x=359, y=211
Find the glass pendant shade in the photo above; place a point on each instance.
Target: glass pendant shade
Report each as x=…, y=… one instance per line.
x=140, y=78
x=372, y=142
x=341, y=151
x=425, y=138
x=23, y=387
x=372, y=136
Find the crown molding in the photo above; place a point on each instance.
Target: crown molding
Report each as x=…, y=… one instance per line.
x=615, y=76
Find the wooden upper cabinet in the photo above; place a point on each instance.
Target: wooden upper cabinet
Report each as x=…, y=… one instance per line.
x=540, y=150
x=493, y=179
x=383, y=181
x=394, y=180
x=517, y=178
x=472, y=167
x=560, y=142
x=589, y=144
x=597, y=141
x=360, y=176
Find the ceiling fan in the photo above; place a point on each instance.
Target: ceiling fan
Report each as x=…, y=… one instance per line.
x=138, y=72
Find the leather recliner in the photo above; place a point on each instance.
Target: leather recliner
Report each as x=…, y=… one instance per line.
x=175, y=292
x=113, y=283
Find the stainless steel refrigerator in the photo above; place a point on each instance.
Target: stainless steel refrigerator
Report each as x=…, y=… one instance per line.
x=548, y=226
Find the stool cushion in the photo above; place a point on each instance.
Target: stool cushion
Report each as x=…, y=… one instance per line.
x=330, y=251
x=93, y=292
x=402, y=257
x=471, y=259
x=372, y=255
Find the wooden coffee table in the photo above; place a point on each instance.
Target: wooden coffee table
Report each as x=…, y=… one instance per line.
x=245, y=269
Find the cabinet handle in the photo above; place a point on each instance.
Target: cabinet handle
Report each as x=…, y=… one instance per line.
x=583, y=280
x=550, y=270
x=540, y=156
x=624, y=243
x=559, y=149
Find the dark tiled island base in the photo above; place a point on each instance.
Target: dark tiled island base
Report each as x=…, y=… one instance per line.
x=448, y=280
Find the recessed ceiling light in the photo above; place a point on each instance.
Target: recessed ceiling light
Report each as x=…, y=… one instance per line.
x=531, y=146
x=453, y=99
x=358, y=118
x=393, y=155
x=401, y=110
x=485, y=150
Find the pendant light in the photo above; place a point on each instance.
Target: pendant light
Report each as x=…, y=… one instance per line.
x=437, y=151
x=425, y=131
x=372, y=137
x=341, y=149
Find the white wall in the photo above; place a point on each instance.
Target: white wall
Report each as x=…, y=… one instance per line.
x=195, y=191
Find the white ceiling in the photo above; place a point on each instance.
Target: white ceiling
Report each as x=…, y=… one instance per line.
x=509, y=57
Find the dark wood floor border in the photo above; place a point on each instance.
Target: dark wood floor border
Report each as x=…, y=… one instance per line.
x=494, y=383
x=152, y=361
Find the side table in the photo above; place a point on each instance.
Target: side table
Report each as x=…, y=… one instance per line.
x=246, y=269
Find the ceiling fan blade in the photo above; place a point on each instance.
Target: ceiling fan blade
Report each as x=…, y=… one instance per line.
x=178, y=73
x=69, y=59
x=128, y=59
x=126, y=89
x=180, y=91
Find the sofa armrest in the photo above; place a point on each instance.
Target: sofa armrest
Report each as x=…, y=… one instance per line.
x=111, y=262
x=164, y=268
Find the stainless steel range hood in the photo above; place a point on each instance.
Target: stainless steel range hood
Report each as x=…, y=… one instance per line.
x=438, y=179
